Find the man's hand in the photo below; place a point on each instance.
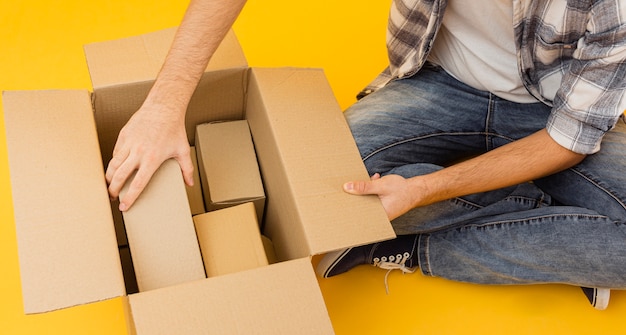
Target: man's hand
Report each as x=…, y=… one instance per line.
x=156, y=132
x=520, y=161
x=393, y=191
x=146, y=141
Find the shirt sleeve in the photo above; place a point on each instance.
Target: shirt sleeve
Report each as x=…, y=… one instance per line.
x=592, y=95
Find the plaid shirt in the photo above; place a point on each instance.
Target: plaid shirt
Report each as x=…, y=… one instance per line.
x=571, y=56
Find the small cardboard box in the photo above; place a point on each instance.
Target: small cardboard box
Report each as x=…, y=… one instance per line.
x=161, y=235
x=220, y=230
x=228, y=166
x=68, y=251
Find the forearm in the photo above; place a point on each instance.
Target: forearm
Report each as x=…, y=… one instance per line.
x=524, y=160
x=156, y=132
x=205, y=24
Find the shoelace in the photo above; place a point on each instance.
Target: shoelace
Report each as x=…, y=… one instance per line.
x=397, y=262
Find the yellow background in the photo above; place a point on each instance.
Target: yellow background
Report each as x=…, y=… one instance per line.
x=41, y=48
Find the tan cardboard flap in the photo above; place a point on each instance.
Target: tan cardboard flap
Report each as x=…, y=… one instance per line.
x=282, y=298
x=306, y=153
x=66, y=238
x=139, y=58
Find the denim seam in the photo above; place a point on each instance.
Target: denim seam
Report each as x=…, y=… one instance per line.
x=529, y=219
x=596, y=184
x=537, y=202
x=393, y=144
x=490, y=107
x=423, y=254
x=466, y=203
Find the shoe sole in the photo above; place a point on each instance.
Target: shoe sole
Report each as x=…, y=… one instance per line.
x=329, y=261
x=602, y=297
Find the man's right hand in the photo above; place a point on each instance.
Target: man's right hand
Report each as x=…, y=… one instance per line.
x=156, y=132
x=146, y=141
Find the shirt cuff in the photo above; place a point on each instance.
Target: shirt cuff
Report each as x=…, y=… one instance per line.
x=573, y=134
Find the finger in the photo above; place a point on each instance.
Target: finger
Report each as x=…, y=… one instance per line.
x=116, y=161
x=120, y=175
x=138, y=183
x=186, y=167
x=359, y=187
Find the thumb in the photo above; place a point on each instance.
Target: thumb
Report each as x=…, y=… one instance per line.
x=186, y=167
x=362, y=187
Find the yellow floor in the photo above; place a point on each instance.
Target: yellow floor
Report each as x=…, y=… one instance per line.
x=40, y=48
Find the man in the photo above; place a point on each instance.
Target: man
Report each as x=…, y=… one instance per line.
x=483, y=139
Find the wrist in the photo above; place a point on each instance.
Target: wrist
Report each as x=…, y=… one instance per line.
x=428, y=189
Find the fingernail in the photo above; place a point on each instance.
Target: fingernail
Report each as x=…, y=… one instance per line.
x=348, y=186
x=123, y=207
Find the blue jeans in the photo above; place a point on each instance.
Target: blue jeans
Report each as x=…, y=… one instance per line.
x=566, y=228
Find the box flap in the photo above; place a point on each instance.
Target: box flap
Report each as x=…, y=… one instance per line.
x=287, y=300
x=139, y=58
x=306, y=153
x=66, y=239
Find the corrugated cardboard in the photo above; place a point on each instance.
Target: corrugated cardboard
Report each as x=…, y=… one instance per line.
x=138, y=59
x=305, y=152
x=230, y=240
x=229, y=170
x=282, y=298
x=194, y=193
x=65, y=233
x=161, y=234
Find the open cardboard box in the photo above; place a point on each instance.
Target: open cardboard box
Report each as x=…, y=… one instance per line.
x=68, y=249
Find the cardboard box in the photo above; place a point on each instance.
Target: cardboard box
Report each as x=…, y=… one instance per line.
x=65, y=234
x=228, y=166
x=161, y=234
x=67, y=245
x=230, y=240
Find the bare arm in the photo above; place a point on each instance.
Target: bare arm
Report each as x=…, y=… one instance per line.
x=527, y=159
x=156, y=132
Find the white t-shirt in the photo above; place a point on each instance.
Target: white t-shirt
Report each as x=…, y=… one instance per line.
x=475, y=45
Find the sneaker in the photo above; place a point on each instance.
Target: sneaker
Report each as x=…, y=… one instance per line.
x=598, y=297
x=396, y=254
